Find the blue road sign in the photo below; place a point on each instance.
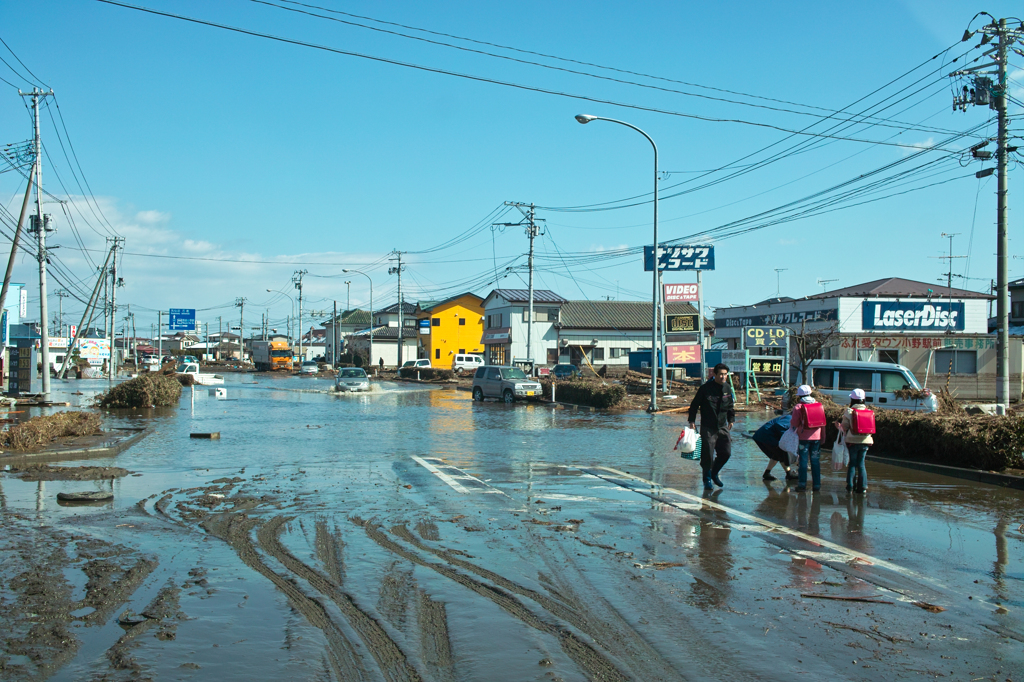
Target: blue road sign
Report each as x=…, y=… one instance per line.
x=696, y=257
x=181, y=319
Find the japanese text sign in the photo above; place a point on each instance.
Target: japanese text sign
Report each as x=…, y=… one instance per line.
x=764, y=337
x=680, y=323
x=682, y=353
x=766, y=365
x=181, y=319
x=680, y=258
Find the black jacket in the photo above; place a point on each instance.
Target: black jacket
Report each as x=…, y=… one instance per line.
x=716, y=406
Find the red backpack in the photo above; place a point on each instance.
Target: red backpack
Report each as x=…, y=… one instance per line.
x=862, y=422
x=814, y=415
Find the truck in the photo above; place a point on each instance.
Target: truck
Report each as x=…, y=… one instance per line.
x=271, y=355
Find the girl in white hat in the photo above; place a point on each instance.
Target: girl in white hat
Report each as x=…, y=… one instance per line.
x=857, y=443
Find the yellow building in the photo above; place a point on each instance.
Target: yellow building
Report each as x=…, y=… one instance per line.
x=450, y=327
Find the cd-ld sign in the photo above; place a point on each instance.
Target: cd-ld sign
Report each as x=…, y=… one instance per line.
x=764, y=337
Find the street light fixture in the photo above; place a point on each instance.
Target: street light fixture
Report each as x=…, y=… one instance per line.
x=369, y=361
x=656, y=298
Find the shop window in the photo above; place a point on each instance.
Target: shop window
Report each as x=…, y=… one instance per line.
x=598, y=355
x=552, y=356
x=892, y=356
x=850, y=379
x=462, y=322
x=956, y=361
x=435, y=322
x=437, y=353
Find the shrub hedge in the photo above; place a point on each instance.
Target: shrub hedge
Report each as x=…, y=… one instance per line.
x=586, y=392
x=426, y=373
x=40, y=431
x=145, y=390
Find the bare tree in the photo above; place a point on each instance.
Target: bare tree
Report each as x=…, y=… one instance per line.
x=808, y=345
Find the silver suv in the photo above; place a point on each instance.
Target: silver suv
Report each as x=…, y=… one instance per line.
x=506, y=383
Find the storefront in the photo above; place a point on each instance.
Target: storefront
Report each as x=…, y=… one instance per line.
x=938, y=333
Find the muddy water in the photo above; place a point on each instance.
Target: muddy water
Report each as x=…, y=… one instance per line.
x=414, y=534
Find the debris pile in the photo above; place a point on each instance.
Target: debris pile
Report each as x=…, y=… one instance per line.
x=145, y=390
x=44, y=430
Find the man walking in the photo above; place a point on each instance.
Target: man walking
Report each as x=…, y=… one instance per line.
x=717, y=414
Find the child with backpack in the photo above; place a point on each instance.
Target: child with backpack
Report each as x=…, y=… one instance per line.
x=858, y=424
x=808, y=420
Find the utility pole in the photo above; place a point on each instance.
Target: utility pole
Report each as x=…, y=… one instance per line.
x=114, y=283
x=532, y=232
x=40, y=225
x=240, y=302
x=334, y=334
x=61, y=295
x=401, y=321
x=297, y=279
x=135, y=344
x=100, y=278
x=985, y=92
x=348, y=296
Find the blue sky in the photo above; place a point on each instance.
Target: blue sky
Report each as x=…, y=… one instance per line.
x=268, y=157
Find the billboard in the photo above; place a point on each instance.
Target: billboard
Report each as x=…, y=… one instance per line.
x=682, y=353
x=920, y=315
x=680, y=293
x=764, y=337
x=676, y=324
x=681, y=258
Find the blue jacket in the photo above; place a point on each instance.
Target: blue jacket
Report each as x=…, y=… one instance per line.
x=771, y=432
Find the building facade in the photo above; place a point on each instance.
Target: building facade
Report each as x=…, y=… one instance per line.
x=450, y=327
x=936, y=332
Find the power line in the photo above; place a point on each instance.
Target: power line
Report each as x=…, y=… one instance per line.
x=484, y=79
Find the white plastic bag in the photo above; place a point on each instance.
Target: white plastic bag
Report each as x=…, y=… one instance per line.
x=687, y=443
x=840, y=453
x=790, y=442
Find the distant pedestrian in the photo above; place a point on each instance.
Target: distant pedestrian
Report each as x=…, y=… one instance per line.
x=808, y=420
x=767, y=438
x=858, y=440
x=381, y=364
x=717, y=414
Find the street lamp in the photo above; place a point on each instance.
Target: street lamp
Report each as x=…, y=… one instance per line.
x=369, y=361
x=584, y=119
x=275, y=291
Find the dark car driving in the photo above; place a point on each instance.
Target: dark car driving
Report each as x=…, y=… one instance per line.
x=565, y=371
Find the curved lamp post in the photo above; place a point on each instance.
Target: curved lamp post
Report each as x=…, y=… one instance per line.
x=369, y=361
x=275, y=291
x=584, y=119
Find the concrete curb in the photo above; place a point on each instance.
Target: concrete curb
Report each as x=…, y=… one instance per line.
x=59, y=454
x=988, y=477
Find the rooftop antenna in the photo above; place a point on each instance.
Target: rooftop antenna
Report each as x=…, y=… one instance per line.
x=824, y=284
x=778, y=280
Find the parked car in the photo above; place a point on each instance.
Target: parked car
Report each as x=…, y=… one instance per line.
x=879, y=380
x=466, y=363
x=309, y=367
x=422, y=362
x=352, y=379
x=506, y=383
x=190, y=358
x=565, y=371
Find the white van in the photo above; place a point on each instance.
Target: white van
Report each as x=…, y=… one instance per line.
x=879, y=380
x=466, y=363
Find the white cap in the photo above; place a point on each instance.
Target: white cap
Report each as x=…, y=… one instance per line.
x=803, y=390
x=857, y=394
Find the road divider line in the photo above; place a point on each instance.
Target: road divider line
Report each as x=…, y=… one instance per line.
x=459, y=475
x=766, y=526
x=456, y=486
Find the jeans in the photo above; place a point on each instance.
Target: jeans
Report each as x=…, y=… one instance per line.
x=858, y=453
x=811, y=448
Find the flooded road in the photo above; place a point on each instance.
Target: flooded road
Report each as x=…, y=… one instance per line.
x=412, y=534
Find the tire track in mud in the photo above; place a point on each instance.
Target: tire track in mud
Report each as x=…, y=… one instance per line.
x=234, y=530
x=390, y=658
x=591, y=661
x=435, y=642
x=609, y=629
